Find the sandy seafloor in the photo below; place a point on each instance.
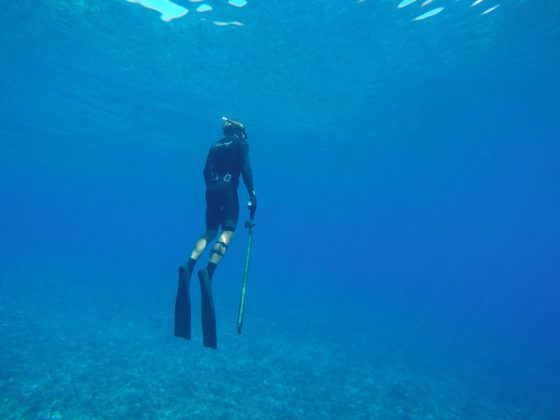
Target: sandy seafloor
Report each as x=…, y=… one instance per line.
x=77, y=344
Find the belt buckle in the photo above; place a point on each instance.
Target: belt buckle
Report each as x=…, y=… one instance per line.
x=227, y=177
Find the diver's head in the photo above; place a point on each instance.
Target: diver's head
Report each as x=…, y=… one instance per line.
x=233, y=128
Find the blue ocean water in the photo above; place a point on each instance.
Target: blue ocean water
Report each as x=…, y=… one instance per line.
x=406, y=252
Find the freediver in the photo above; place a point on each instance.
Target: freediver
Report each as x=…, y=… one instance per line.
x=227, y=159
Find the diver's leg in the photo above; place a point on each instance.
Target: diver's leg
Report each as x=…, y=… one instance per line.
x=183, y=300
x=205, y=278
x=229, y=223
x=230, y=214
x=220, y=247
x=200, y=245
x=213, y=220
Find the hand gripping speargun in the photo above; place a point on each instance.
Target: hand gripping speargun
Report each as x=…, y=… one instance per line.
x=249, y=224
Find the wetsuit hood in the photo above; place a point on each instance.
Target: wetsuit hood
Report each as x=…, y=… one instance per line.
x=233, y=127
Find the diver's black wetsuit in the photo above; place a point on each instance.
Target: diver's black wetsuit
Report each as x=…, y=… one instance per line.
x=227, y=159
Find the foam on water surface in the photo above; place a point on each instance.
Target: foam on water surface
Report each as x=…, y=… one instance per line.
x=405, y=3
x=166, y=8
x=204, y=8
x=429, y=14
x=490, y=10
x=230, y=23
x=237, y=3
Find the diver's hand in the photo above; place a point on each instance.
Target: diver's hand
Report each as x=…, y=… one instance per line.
x=252, y=204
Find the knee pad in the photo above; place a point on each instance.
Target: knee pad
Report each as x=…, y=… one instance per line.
x=219, y=248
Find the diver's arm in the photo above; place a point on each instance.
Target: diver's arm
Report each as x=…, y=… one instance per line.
x=247, y=173
x=246, y=170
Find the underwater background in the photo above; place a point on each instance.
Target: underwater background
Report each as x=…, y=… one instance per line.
x=406, y=252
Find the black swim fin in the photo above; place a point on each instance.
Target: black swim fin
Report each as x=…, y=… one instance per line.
x=208, y=313
x=183, y=305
